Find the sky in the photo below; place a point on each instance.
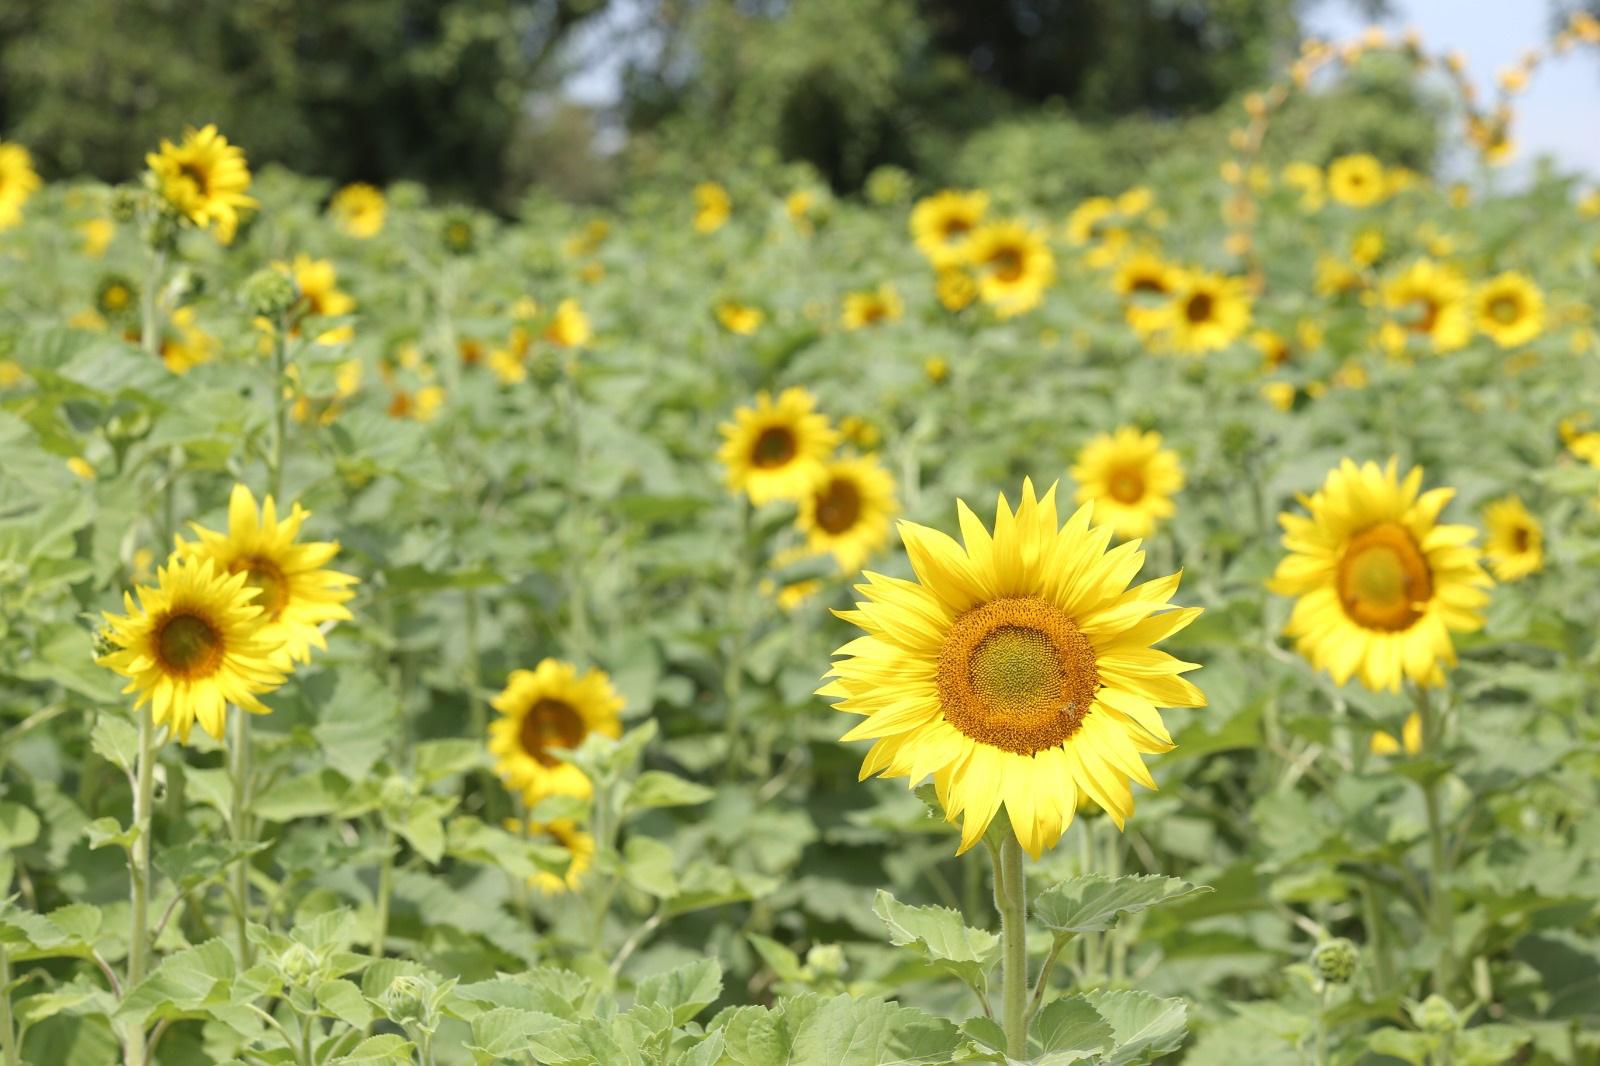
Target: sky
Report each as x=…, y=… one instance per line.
x=1559, y=113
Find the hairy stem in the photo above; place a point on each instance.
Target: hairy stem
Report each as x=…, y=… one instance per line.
x=1011, y=899
x=139, y=855
x=239, y=769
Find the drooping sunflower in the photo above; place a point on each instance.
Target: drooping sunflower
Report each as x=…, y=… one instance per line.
x=1017, y=670
x=1428, y=301
x=551, y=707
x=204, y=179
x=1514, y=545
x=1086, y=221
x=1509, y=309
x=941, y=224
x=18, y=180
x=871, y=307
x=192, y=645
x=848, y=511
x=1013, y=265
x=1381, y=585
x=1356, y=180
x=1130, y=478
x=359, y=209
x=297, y=596
x=1207, y=311
x=776, y=451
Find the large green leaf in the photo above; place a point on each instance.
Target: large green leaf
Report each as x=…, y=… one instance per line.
x=1092, y=903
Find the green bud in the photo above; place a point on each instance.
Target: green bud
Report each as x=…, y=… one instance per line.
x=1335, y=960
x=269, y=293
x=161, y=232
x=298, y=964
x=407, y=1001
x=1238, y=439
x=1435, y=1015
x=826, y=960
x=116, y=296
x=458, y=233
x=395, y=792
x=125, y=203
x=888, y=185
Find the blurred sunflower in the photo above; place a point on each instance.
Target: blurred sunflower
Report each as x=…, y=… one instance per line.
x=1509, y=309
x=579, y=847
x=1013, y=266
x=318, y=283
x=358, y=209
x=1514, y=544
x=1144, y=281
x=1307, y=178
x=550, y=708
x=741, y=319
x=776, y=451
x=1381, y=585
x=1410, y=740
x=97, y=235
x=1130, y=478
x=18, y=180
x=205, y=180
x=189, y=346
x=296, y=595
x=942, y=223
x=712, y=207
x=192, y=645
x=1206, y=311
x=848, y=511
x=870, y=307
x=569, y=328
x=115, y=296
x=1356, y=180
x=1427, y=300
x=1086, y=221
x=1018, y=670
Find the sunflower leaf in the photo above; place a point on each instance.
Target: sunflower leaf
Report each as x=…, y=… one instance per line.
x=1144, y=1026
x=1092, y=903
x=940, y=935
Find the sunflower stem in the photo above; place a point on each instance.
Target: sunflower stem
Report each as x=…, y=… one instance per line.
x=139, y=855
x=239, y=770
x=1011, y=899
x=380, y=932
x=733, y=668
x=280, y=409
x=8, y=1033
x=1442, y=916
x=1322, y=1026
x=150, y=322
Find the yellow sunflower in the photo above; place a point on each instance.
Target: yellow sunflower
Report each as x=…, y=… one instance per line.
x=1130, y=478
x=359, y=210
x=848, y=511
x=712, y=207
x=1013, y=265
x=18, y=180
x=297, y=597
x=869, y=307
x=1018, y=669
x=1409, y=741
x=579, y=847
x=1306, y=177
x=955, y=289
x=776, y=451
x=1514, y=545
x=741, y=319
x=1084, y=223
x=1509, y=309
x=318, y=283
x=192, y=645
x=1144, y=280
x=1427, y=301
x=189, y=346
x=549, y=708
x=941, y=224
x=569, y=327
x=1356, y=180
x=1207, y=311
x=1381, y=585
x=204, y=179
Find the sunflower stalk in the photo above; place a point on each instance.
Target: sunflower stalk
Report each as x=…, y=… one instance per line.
x=139, y=853
x=380, y=931
x=1442, y=916
x=1011, y=900
x=150, y=322
x=733, y=668
x=8, y=1034
x=239, y=769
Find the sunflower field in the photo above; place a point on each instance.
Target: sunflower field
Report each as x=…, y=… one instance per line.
x=750, y=625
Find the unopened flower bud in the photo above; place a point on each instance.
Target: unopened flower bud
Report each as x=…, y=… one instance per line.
x=269, y=293
x=1335, y=960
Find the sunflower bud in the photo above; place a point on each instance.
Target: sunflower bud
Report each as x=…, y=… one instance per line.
x=269, y=293
x=825, y=960
x=1335, y=960
x=125, y=203
x=888, y=185
x=407, y=1001
x=298, y=963
x=458, y=234
x=1435, y=1015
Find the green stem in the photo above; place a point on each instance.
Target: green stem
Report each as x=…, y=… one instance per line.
x=733, y=668
x=8, y=1035
x=380, y=934
x=1322, y=1027
x=1442, y=914
x=581, y=637
x=1011, y=899
x=139, y=855
x=150, y=325
x=280, y=410
x=239, y=770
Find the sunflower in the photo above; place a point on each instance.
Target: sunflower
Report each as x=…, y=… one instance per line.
x=847, y=512
x=1381, y=585
x=192, y=645
x=1410, y=740
x=1428, y=300
x=204, y=179
x=869, y=307
x=18, y=180
x=1509, y=309
x=712, y=206
x=551, y=707
x=1143, y=281
x=115, y=295
x=942, y=224
x=741, y=319
x=318, y=283
x=1013, y=265
x=189, y=346
x=1130, y=478
x=955, y=289
x=1084, y=223
x=1018, y=669
x=579, y=847
x=1207, y=311
x=296, y=595
x=1307, y=177
x=776, y=451
x=1514, y=545
x=359, y=210
x=569, y=327
x=1356, y=180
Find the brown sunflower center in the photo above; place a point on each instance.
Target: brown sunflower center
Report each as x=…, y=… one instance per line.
x=550, y=724
x=1505, y=309
x=1426, y=314
x=197, y=174
x=955, y=227
x=838, y=505
x=1017, y=674
x=115, y=298
x=1198, y=307
x=188, y=645
x=1521, y=539
x=1126, y=485
x=1147, y=285
x=272, y=588
x=774, y=447
x=1383, y=578
x=1007, y=264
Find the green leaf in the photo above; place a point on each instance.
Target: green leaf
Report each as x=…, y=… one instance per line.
x=685, y=991
x=648, y=865
x=376, y=1050
x=1144, y=1026
x=344, y=1001
x=470, y=839
x=1071, y=1029
x=940, y=935
x=782, y=961
x=656, y=788
x=19, y=826
x=1093, y=902
x=508, y=1033
x=355, y=728
x=184, y=982
x=104, y=832
x=435, y=760
x=1407, y=1046
x=116, y=740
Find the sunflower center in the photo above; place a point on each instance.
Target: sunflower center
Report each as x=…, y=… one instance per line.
x=1505, y=309
x=838, y=505
x=1126, y=485
x=272, y=588
x=1017, y=674
x=1427, y=315
x=550, y=724
x=1147, y=285
x=1007, y=264
x=774, y=447
x=955, y=227
x=1198, y=307
x=1521, y=539
x=1384, y=579
x=196, y=174
x=188, y=645
x=115, y=298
